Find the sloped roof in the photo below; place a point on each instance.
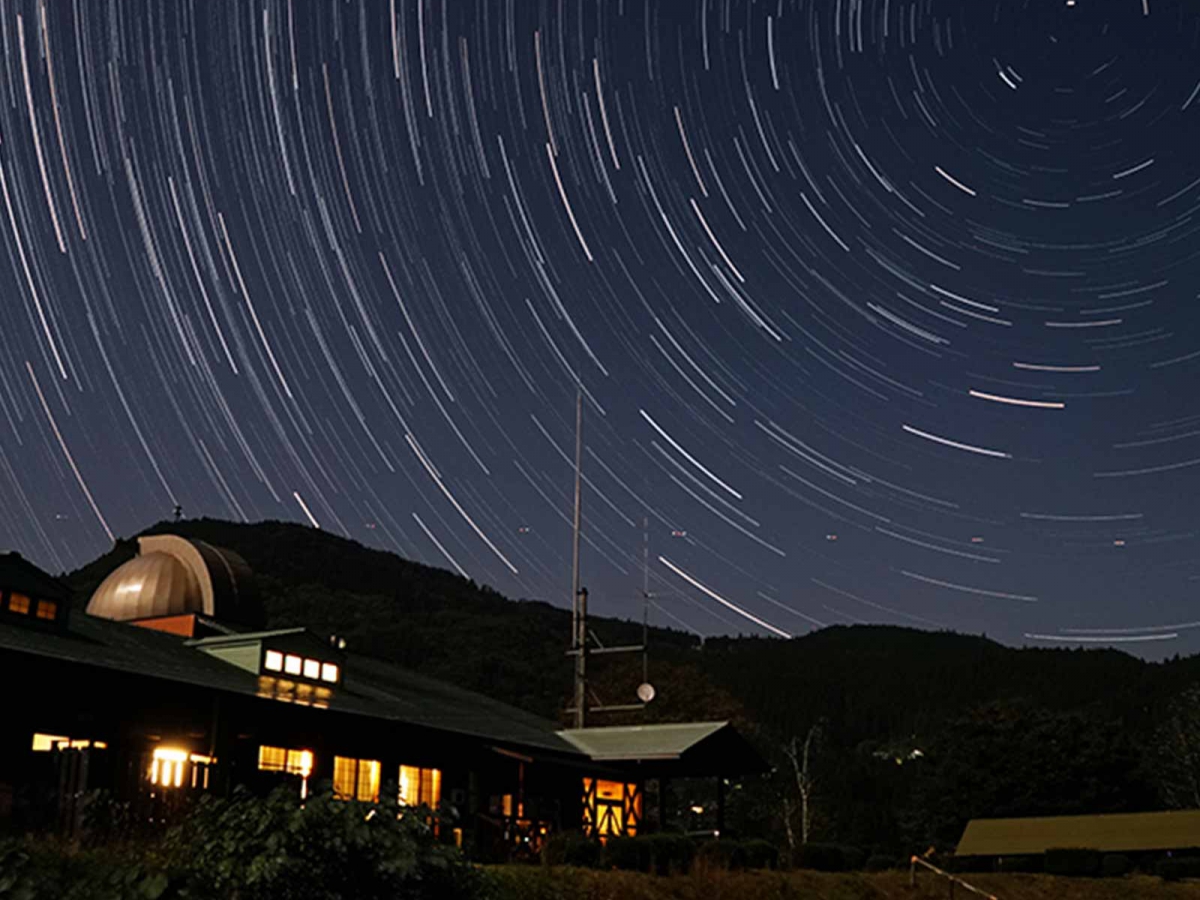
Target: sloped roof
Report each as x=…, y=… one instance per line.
x=371, y=687
x=1113, y=833
x=19, y=574
x=700, y=748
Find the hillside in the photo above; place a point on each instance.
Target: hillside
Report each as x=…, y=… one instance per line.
x=996, y=730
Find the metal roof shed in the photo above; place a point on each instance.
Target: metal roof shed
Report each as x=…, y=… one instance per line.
x=1114, y=833
x=683, y=750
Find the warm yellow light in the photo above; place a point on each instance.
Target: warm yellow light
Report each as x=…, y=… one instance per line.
x=166, y=768
x=292, y=664
x=47, y=609
x=306, y=763
x=170, y=753
x=312, y=669
x=18, y=603
x=43, y=743
x=329, y=672
x=273, y=661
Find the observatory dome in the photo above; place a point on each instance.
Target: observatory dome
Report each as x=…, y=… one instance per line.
x=174, y=576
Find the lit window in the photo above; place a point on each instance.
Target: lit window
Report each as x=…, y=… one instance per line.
x=43, y=743
x=272, y=759
x=292, y=664
x=420, y=787
x=312, y=669
x=611, y=808
x=166, y=768
x=273, y=661
x=329, y=672
x=356, y=778
x=47, y=609
x=18, y=603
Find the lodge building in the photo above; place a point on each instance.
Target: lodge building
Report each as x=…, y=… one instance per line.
x=168, y=684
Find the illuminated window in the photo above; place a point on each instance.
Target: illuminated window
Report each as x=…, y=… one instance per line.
x=18, y=603
x=292, y=664
x=611, y=807
x=356, y=778
x=166, y=767
x=329, y=672
x=43, y=743
x=279, y=759
x=420, y=787
x=273, y=661
x=312, y=669
x=47, y=609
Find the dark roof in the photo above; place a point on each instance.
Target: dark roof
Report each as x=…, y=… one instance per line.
x=19, y=574
x=371, y=687
x=1113, y=833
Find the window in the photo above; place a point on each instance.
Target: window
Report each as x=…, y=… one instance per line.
x=273, y=661
x=312, y=669
x=44, y=743
x=356, y=779
x=166, y=767
x=292, y=664
x=329, y=672
x=611, y=808
x=279, y=759
x=18, y=603
x=420, y=787
x=47, y=609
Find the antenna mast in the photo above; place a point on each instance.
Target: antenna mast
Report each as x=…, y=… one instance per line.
x=578, y=595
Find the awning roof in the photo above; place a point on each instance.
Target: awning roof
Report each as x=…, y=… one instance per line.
x=1115, y=833
x=689, y=748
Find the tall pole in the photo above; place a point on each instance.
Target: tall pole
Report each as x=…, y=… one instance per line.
x=578, y=598
x=645, y=599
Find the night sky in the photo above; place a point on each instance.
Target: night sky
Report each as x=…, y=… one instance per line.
x=883, y=311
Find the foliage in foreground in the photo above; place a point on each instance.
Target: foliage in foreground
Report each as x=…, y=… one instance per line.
x=247, y=848
x=567, y=883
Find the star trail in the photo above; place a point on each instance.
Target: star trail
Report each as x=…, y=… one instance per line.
x=881, y=310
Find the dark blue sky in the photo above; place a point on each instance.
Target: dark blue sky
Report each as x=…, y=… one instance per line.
x=884, y=311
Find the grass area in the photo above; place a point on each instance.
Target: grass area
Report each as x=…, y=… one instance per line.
x=542, y=883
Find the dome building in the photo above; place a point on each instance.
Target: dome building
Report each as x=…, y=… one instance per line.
x=186, y=587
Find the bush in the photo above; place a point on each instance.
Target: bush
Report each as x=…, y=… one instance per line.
x=1114, y=865
x=829, y=857
x=880, y=862
x=720, y=855
x=1073, y=862
x=759, y=854
x=1178, y=867
x=632, y=854
x=571, y=848
x=329, y=849
x=671, y=854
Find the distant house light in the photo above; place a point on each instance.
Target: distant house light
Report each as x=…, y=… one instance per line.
x=329, y=672
x=47, y=609
x=166, y=768
x=18, y=603
x=312, y=669
x=273, y=661
x=292, y=664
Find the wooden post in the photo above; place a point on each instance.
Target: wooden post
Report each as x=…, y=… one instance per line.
x=912, y=872
x=720, y=806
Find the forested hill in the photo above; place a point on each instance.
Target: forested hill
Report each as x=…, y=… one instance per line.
x=874, y=681
x=983, y=715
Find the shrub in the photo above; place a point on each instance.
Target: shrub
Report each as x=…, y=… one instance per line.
x=630, y=853
x=880, y=862
x=1073, y=862
x=721, y=855
x=829, y=857
x=329, y=849
x=1114, y=865
x=571, y=848
x=671, y=854
x=1178, y=867
x=759, y=854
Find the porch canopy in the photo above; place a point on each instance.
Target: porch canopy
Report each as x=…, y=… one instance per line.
x=683, y=750
x=1113, y=833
